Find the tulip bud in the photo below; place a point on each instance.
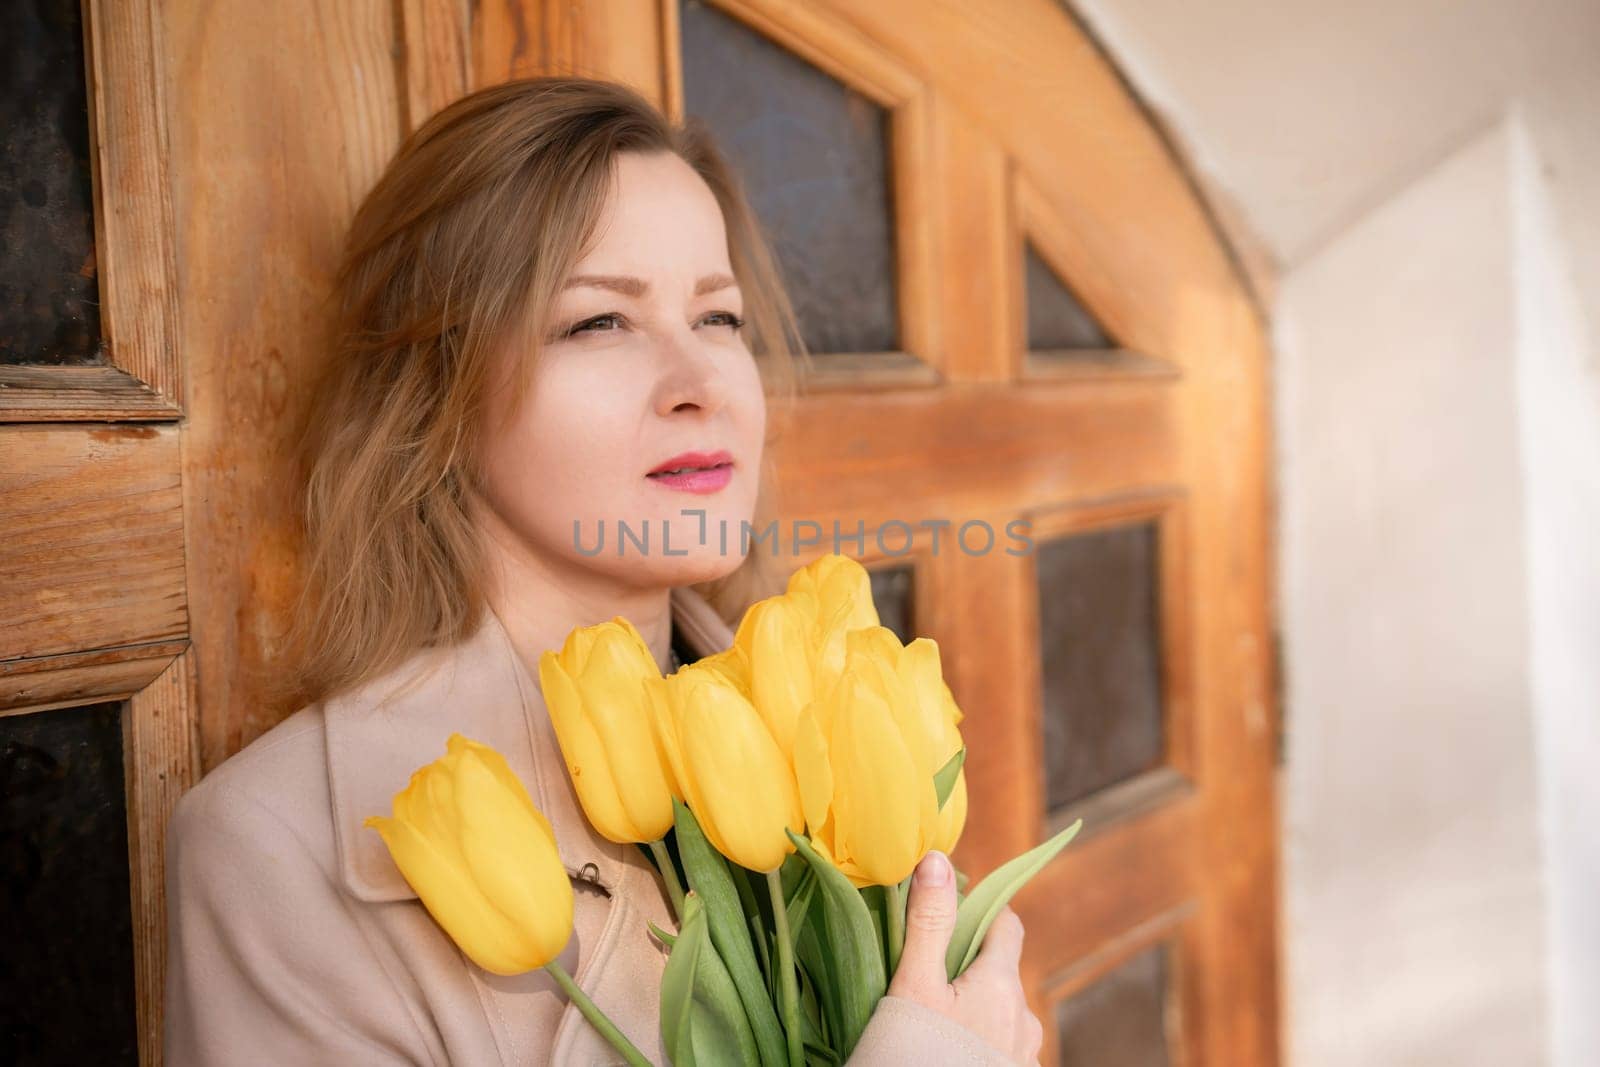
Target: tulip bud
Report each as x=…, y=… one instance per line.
x=482, y=858
x=836, y=580
x=729, y=767
x=866, y=752
x=597, y=700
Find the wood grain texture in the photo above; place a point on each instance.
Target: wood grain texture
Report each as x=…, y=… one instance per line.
x=961, y=451
x=434, y=56
x=161, y=760
x=269, y=160
x=75, y=678
x=92, y=555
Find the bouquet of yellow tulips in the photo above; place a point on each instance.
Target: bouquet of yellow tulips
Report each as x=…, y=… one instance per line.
x=794, y=781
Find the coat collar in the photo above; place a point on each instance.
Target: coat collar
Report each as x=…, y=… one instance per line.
x=379, y=733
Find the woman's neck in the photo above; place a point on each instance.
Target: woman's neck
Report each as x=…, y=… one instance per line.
x=539, y=600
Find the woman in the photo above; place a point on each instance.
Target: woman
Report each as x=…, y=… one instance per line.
x=550, y=302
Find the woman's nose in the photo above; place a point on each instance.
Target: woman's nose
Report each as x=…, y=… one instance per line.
x=690, y=378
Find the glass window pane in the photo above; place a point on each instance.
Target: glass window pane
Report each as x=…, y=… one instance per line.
x=49, y=285
x=892, y=593
x=66, y=994
x=1121, y=1019
x=1057, y=319
x=1100, y=651
x=813, y=154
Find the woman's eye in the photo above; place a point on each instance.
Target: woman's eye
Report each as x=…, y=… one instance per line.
x=724, y=318
x=597, y=324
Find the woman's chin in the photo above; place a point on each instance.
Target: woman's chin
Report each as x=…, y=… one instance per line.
x=696, y=566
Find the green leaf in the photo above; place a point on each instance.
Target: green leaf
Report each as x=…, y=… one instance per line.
x=816, y=961
x=814, y=1027
x=677, y=983
x=759, y=934
x=668, y=939
x=799, y=902
x=944, y=779
x=702, y=1019
x=712, y=880
x=975, y=913
x=821, y=1054
x=852, y=942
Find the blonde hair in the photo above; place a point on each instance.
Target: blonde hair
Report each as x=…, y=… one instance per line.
x=460, y=247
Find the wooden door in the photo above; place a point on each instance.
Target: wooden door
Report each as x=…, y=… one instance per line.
x=1037, y=409
x=1019, y=313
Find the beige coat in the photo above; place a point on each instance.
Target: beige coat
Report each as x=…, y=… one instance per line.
x=294, y=939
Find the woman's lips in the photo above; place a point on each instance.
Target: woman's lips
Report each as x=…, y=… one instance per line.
x=696, y=481
x=695, y=472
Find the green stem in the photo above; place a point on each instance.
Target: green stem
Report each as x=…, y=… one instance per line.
x=790, y=986
x=895, y=901
x=607, y=1028
x=670, y=873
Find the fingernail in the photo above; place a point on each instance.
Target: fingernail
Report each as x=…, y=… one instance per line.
x=934, y=870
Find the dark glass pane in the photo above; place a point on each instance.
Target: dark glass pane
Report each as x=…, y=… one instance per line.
x=1056, y=318
x=49, y=288
x=66, y=995
x=891, y=592
x=1100, y=649
x=813, y=155
x=1120, y=1020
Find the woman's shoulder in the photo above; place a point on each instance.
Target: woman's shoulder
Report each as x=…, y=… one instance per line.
x=276, y=783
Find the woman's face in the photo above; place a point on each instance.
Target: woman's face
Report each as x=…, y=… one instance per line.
x=643, y=367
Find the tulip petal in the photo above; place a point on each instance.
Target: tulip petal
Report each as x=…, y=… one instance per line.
x=745, y=785
x=485, y=934
x=512, y=856
x=583, y=753
x=781, y=669
x=893, y=803
x=621, y=721
x=812, y=771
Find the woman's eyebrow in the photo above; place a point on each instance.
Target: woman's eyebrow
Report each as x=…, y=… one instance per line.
x=637, y=287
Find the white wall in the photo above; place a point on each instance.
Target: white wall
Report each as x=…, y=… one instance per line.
x=1558, y=403
x=1415, y=919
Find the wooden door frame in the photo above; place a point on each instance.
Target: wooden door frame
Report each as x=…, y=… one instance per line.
x=92, y=498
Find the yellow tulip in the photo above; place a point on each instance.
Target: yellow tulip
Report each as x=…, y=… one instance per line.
x=866, y=753
x=467, y=837
x=731, y=664
x=792, y=645
x=835, y=580
x=595, y=692
x=729, y=768
x=776, y=638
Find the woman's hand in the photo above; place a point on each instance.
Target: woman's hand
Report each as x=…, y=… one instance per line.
x=987, y=998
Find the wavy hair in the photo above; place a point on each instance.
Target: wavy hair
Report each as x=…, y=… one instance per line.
x=462, y=245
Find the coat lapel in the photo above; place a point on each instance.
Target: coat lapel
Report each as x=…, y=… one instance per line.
x=381, y=732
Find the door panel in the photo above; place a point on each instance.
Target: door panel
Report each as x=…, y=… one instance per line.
x=95, y=672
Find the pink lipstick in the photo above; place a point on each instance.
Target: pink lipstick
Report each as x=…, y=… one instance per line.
x=695, y=472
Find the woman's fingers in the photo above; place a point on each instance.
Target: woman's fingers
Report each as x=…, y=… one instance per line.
x=930, y=922
x=1000, y=958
